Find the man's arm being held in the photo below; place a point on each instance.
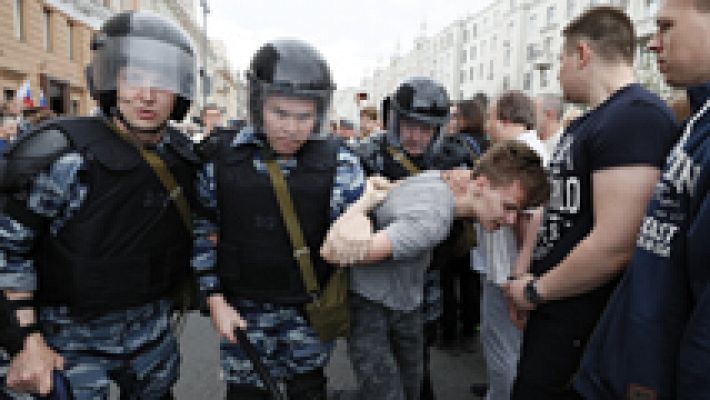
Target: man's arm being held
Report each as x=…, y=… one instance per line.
x=526, y=232
x=351, y=239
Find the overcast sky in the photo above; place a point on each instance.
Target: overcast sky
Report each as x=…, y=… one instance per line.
x=354, y=35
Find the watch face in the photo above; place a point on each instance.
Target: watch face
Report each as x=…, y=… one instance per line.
x=531, y=294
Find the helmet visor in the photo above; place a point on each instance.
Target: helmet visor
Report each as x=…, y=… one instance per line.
x=136, y=62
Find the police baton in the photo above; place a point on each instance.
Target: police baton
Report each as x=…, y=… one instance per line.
x=259, y=366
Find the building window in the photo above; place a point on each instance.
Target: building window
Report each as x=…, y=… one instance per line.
x=462, y=76
x=465, y=35
x=480, y=71
x=483, y=48
x=463, y=55
x=527, y=81
x=71, y=40
x=8, y=94
x=473, y=52
x=474, y=31
x=490, y=70
x=543, y=78
x=532, y=24
x=506, y=53
x=506, y=83
x=548, y=46
x=651, y=8
x=47, y=16
x=571, y=8
x=75, y=107
x=550, y=15
x=471, y=74
x=19, y=19
x=531, y=52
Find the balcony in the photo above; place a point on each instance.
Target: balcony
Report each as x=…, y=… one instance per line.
x=540, y=59
x=550, y=27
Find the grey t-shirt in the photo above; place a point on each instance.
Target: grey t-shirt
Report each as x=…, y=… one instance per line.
x=416, y=216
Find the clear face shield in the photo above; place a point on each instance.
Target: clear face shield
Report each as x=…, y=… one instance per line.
x=285, y=93
x=141, y=63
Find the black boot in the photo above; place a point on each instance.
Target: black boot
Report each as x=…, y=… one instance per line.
x=246, y=392
x=308, y=386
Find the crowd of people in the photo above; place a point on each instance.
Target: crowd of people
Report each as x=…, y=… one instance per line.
x=569, y=241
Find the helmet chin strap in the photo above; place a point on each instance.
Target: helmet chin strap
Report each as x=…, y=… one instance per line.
x=134, y=129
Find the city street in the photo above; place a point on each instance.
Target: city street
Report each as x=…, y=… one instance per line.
x=453, y=371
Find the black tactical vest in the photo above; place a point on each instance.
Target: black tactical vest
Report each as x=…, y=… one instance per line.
x=126, y=245
x=255, y=256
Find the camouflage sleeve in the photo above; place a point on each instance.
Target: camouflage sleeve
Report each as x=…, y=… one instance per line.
x=349, y=182
x=204, y=249
x=55, y=195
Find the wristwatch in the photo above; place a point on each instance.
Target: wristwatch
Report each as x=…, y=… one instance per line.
x=531, y=294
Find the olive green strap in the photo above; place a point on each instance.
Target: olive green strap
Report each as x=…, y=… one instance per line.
x=166, y=178
x=301, y=252
x=475, y=158
x=402, y=159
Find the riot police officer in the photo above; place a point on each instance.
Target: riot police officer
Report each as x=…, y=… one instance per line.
x=414, y=141
x=250, y=275
x=97, y=226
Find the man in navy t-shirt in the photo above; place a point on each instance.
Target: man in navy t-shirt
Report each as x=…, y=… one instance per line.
x=653, y=341
x=602, y=172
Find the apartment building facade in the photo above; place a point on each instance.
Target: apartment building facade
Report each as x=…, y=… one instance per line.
x=509, y=45
x=46, y=43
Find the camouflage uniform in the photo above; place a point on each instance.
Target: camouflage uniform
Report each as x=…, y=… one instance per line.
x=134, y=347
x=283, y=337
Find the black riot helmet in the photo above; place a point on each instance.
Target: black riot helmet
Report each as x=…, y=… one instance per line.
x=421, y=100
x=289, y=68
x=147, y=50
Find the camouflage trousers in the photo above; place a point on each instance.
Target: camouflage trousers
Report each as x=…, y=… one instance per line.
x=283, y=338
x=135, y=348
x=386, y=350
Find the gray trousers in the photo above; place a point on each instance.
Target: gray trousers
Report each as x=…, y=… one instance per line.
x=386, y=350
x=501, y=342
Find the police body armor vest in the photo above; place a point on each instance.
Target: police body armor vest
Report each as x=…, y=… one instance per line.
x=255, y=256
x=126, y=245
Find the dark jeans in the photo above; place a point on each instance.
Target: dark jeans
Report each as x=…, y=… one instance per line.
x=551, y=352
x=385, y=348
x=459, y=271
